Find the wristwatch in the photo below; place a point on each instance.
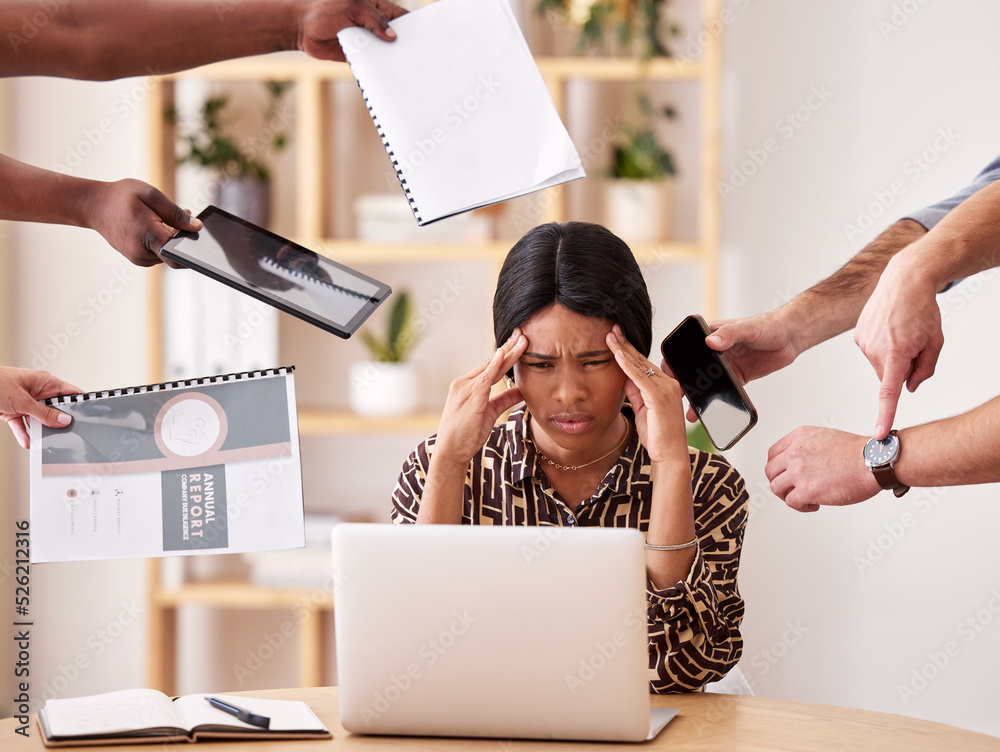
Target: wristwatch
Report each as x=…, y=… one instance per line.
x=880, y=456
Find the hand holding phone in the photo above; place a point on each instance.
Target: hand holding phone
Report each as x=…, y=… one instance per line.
x=707, y=380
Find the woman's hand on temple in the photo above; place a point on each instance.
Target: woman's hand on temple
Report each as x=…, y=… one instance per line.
x=470, y=412
x=656, y=398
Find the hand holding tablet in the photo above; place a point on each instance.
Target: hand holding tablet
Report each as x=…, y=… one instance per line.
x=277, y=271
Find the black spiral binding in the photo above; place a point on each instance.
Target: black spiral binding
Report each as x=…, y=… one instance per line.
x=297, y=276
x=388, y=150
x=167, y=386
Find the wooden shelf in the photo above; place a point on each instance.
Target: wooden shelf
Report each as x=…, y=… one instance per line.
x=311, y=135
x=619, y=69
x=359, y=252
x=310, y=607
x=328, y=422
x=241, y=595
x=293, y=65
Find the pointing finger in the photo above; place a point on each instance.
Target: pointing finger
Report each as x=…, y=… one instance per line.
x=896, y=371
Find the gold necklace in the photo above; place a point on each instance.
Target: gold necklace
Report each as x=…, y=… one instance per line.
x=628, y=432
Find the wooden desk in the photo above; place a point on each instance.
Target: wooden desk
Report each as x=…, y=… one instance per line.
x=706, y=722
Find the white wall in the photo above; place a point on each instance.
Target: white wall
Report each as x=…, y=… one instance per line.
x=89, y=632
x=822, y=623
x=817, y=627
x=7, y=448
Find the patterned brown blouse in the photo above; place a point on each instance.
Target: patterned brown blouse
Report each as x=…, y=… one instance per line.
x=694, y=635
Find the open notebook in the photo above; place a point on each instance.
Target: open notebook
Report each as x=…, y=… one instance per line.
x=461, y=107
x=145, y=716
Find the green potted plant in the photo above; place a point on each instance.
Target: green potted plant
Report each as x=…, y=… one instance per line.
x=639, y=197
x=628, y=27
x=242, y=174
x=387, y=383
x=697, y=437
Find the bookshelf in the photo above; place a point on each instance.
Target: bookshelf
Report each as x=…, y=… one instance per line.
x=312, y=124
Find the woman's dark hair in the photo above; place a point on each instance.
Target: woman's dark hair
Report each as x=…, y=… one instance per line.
x=583, y=267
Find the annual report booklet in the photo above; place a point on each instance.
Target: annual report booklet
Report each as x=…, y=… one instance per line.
x=202, y=466
x=461, y=107
x=145, y=716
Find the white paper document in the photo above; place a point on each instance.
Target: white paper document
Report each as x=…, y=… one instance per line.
x=461, y=107
x=203, y=466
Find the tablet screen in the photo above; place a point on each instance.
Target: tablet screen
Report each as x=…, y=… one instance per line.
x=278, y=271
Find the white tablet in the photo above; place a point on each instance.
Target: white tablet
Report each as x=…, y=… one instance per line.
x=271, y=268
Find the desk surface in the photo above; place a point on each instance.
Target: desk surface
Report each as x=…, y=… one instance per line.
x=706, y=722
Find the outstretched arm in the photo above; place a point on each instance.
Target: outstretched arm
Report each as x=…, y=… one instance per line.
x=134, y=217
x=899, y=330
x=957, y=451
x=106, y=39
x=770, y=341
x=762, y=344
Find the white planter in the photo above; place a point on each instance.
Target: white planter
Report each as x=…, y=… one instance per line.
x=383, y=389
x=246, y=198
x=640, y=210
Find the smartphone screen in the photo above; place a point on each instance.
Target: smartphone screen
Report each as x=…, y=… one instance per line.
x=708, y=382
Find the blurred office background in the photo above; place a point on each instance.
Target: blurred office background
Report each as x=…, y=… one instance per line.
x=892, y=605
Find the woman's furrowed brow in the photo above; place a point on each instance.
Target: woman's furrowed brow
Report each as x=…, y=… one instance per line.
x=588, y=354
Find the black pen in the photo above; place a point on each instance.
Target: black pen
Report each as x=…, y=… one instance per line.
x=244, y=715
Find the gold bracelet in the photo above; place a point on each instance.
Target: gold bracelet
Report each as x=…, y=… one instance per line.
x=678, y=547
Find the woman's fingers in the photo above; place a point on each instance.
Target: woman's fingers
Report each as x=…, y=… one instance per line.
x=471, y=410
x=649, y=383
x=505, y=357
x=488, y=368
x=635, y=366
x=506, y=400
x=515, y=348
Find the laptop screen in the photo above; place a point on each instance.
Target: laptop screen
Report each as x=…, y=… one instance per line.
x=505, y=632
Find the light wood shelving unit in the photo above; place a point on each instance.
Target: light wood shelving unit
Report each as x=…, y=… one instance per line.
x=310, y=79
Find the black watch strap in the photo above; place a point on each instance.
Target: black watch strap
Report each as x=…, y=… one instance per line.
x=886, y=478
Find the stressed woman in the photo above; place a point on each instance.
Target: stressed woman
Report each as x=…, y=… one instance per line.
x=599, y=441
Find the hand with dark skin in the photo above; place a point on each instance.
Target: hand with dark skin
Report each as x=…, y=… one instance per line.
x=108, y=39
x=134, y=217
x=100, y=40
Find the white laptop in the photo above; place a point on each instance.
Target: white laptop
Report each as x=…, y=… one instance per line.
x=501, y=632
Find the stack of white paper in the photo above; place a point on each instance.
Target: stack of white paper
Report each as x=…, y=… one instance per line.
x=461, y=107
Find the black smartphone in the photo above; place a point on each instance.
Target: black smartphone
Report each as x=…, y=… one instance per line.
x=708, y=381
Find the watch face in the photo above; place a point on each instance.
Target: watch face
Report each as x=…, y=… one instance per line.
x=882, y=451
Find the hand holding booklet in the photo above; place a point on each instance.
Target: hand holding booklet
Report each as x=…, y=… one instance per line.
x=145, y=716
x=461, y=107
x=202, y=466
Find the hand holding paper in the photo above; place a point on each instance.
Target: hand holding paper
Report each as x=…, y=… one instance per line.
x=465, y=117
